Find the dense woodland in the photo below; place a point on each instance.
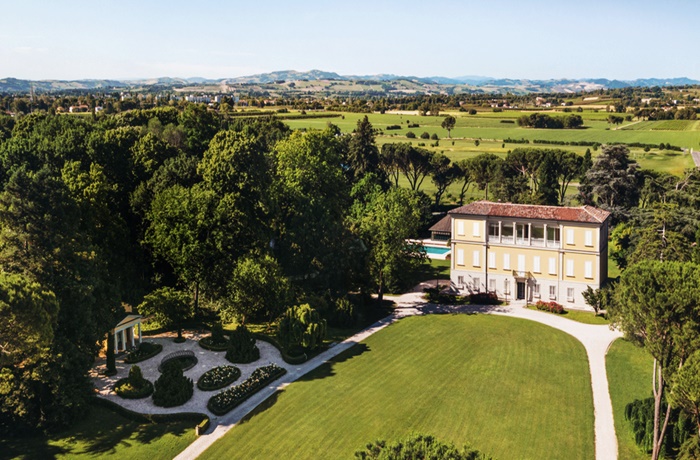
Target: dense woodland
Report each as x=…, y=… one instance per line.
x=241, y=218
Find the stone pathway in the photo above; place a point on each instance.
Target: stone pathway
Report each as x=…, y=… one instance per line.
x=595, y=338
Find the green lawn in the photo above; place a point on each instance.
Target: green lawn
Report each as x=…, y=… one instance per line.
x=629, y=378
x=512, y=388
x=102, y=434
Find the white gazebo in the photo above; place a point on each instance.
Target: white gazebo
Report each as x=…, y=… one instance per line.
x=124, y=332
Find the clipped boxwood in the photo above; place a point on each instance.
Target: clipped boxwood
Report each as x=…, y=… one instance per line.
x=241, y=347
x=217, y=341
x=217, y=378
x=134, y=386
x=172, y=388
x=227, y=400
x=146, y=350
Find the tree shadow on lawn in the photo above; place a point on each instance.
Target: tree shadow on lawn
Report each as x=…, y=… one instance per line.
x=262, y=407
x=325, y=370
x=30, y=447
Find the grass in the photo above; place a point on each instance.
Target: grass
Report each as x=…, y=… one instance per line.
x=629, y=378
x=104, y=434
x=512, y=388
x=586, y=317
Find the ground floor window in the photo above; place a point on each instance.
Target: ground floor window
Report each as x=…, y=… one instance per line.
x=552, y=292
x=570, y=294
x=506, y=287
x=477, y=284
x=492, y=285
x=460, y=281
x=536, y=290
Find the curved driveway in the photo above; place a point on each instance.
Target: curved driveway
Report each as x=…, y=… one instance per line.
x=595, y=338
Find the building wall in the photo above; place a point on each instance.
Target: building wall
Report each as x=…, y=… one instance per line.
x=478, y=265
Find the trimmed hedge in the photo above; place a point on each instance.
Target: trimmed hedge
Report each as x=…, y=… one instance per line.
x=195, y=417
x=207, y=345
x=146, y=350
x=217, y=378
x=172, y=388
x=227, y=400
x=241, y=347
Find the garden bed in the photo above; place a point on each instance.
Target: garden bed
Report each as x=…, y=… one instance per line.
x=185, y=358
x=146, y=350
x=217, y=378
x=126, y=390
x=208, y=344
x=228, y=400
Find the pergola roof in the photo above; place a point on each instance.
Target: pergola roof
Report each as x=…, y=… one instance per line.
x=128, y=319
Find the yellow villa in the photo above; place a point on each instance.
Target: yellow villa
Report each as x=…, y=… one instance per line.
x=529, y=252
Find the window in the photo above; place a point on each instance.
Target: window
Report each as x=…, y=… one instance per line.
x=553, y=237
x=492, y=285
x=494, y=231
x=460, y=256
x=588, y=269
x=506, y=261
x=492, y=260
x=569, y=267
x=506, y=287
x=537, y=235
x=521, y=263
x=552, y=292
x=570, y=294
x=476, y=229
x=507, y=233
x=460, y=227
x=552, y=265
x=522, y=232
x=569, y=236
x=589, y=238
x=536, y=264
x=476, y=284
x=536, y=290
x=475, y=259
x=460, y=281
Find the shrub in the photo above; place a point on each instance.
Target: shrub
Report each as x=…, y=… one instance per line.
x=172, y=388
x=484, y=298
x=425, y=135
x=143, y=352
x=551, y=307
x=411, y=135
x=302, y=326
x=227, y=400
x=413, y=125
x=507, y=121
x=640, y=414
x=217, y=378
x=434, y=137
x=344, y=314
x=472, y=111
x=217, y=341
x=241, y=346
x=134, y=386
x=418, y=446
x=390, y=127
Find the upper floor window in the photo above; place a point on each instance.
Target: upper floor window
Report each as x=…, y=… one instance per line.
x=507, y=233
x=553, y=236
x=494, y=231
x=537, y=237
x=589, y=238
x=569, y=236
x=522, y=232
x=476, y=229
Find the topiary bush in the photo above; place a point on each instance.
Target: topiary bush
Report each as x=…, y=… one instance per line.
x=134, y=386
x=241, y=346
x=172, y=388
x=217, y=341
x=217, y=378
x=146, y=350
x=302, y=326
x=344, y=314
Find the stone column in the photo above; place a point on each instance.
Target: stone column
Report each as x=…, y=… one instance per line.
x=116, y=343
x=123, y=339
x=139, y=324
x=132, y=336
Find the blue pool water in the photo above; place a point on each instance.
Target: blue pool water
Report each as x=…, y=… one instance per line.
x=436, y=251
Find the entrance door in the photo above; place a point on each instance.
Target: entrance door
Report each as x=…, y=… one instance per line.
x=521, y=290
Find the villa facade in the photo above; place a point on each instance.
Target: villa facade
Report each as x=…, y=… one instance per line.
x=529, y=252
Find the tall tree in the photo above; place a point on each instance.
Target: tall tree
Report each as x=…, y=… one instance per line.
x=449, y=123
x=363, y=154
x=656, y=305
x=443, y=174
x=169, y=307
x=465, y=174
x=485, y=169
x=614, y=179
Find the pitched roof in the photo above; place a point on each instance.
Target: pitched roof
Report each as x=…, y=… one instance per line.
x=444, y=225
x=587, y=214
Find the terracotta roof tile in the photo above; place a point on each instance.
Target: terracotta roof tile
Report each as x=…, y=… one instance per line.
x=587, y=214
x=444, y=225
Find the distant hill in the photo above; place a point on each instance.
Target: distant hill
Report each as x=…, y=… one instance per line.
x=407, y=84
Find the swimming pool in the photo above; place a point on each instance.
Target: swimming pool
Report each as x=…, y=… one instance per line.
x=432, y=250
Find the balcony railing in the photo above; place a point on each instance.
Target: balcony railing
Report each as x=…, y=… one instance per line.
x=534, y=242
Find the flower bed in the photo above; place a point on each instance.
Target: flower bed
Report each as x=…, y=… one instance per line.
x=217, y=378
x=551, y=307
x=143, y=352
x=208, y=344
x=227, y=400
x=125, y=389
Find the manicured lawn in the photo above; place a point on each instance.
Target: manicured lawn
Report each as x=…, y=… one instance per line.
x=101, y=434
x=581, y=316
x=629, y=378
x=512, y=388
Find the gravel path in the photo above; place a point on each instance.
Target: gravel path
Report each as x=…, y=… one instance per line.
x=696, y=157
x=595, y=338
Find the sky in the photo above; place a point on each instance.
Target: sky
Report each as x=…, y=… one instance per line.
x=531, y=39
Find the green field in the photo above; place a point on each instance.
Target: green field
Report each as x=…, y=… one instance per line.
x=512, y=388
x=664, y=125
x=629, y=378
x=104, y=434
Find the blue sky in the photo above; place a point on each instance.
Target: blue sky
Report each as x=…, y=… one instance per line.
x=76, y=39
